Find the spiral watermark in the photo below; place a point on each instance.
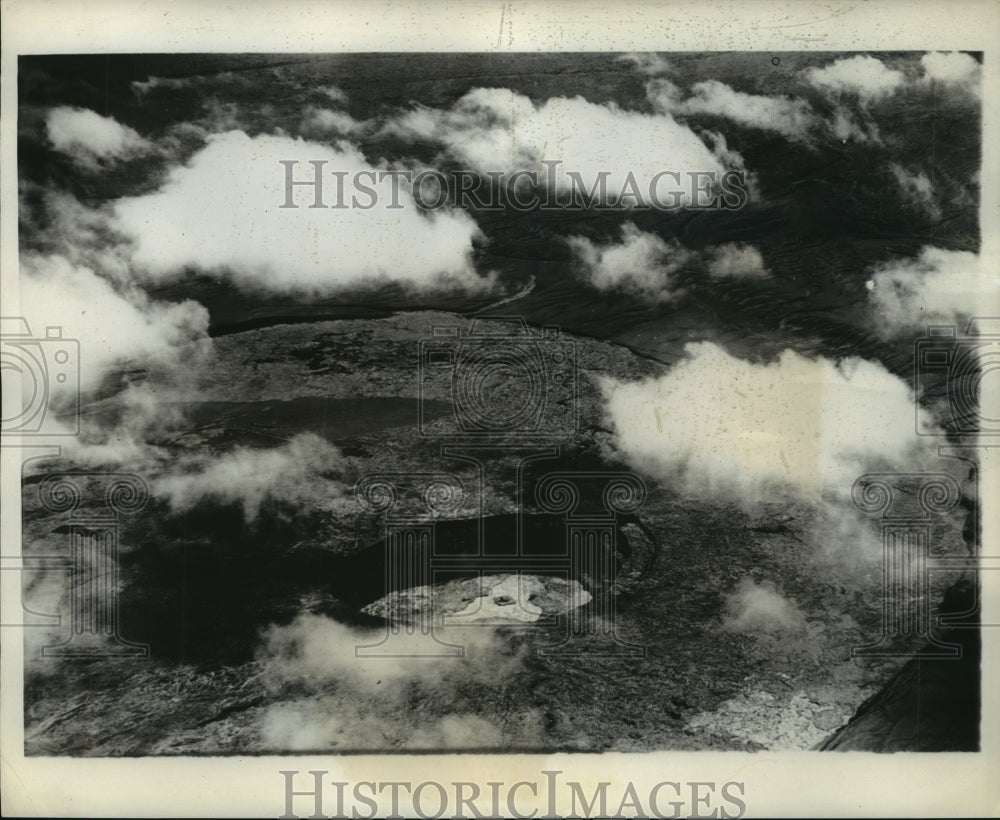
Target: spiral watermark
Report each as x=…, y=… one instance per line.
x=92, y=503
x=906, y=504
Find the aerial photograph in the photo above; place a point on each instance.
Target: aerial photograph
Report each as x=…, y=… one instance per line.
x=499, y=403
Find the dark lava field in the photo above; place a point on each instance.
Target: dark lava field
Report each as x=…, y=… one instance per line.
x=715, y=626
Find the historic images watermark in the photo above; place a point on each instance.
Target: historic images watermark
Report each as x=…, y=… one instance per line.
x=547, y=796
x=512, y=395
x=548, y=188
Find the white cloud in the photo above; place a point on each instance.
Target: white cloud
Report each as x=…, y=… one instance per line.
x=641, y=264
x=495, y=129
x=221, y=213
x=396, y=701
x=731, y=158
x=867, y=77
x=143, y=87
x=324, y=121
x=220, y=116
x=115, y=326
x=916, y=188
x=755, y=608
x=88, y=137
x=111, y=329
x=718, y=426
x=954, y=69
x=333, y=93
x=137, y=356
x=85, y=237
x=785, y=115
x=300, y=472
x=646, y=62
x=736, y=260
x=144, y=413
x=938, y=286
x=845, y=127
x=664, y=95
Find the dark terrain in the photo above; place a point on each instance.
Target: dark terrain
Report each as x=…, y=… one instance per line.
x=237, y=610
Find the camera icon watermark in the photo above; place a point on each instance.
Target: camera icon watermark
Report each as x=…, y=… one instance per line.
x=33, y=371
x=957, y=368
x=501, y=379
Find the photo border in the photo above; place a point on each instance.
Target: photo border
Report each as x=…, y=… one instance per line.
x=776, y=784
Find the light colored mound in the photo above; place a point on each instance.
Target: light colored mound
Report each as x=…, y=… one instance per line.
x=490, y=599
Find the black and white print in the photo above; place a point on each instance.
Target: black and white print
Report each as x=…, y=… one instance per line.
x=466, y=402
